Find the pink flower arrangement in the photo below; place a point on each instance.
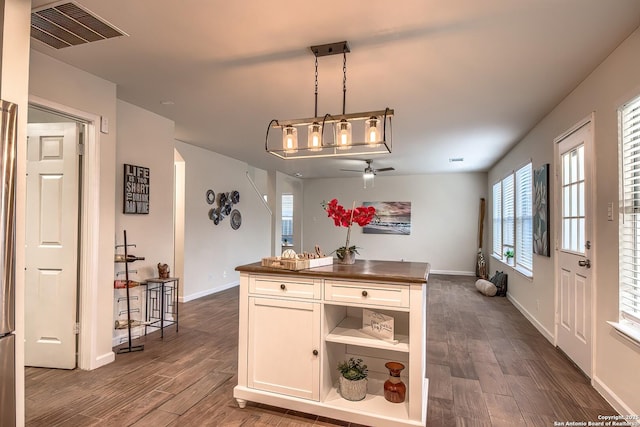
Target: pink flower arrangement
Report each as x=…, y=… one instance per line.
x=361, y=215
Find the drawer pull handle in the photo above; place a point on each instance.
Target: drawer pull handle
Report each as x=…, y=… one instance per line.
x=315, y=352
x=364, y=293
x=282, y=286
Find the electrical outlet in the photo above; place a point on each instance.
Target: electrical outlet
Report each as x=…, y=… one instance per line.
x=224, y=273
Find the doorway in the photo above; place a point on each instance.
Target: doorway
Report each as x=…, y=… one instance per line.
x=574, y=243
x=54, y=169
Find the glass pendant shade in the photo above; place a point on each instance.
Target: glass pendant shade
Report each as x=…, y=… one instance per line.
x=314, y=141
x=290, y=139
x=343, y=135
x=372, y=131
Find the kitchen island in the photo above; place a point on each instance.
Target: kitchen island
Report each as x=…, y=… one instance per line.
x=296, y=326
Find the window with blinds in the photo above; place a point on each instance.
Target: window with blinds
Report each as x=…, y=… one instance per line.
x=287, y=219
x=508, y=214
x=513, y=219
x=524, y=217
x=629, y=231
x=497, y=219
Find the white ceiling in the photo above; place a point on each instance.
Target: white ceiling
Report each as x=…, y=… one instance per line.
x=466, y=78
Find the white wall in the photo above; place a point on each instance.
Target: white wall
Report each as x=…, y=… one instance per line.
x=212, y=252
x=444, y=218
x=14, y=84
x=613, y=83
x=145, y=139
x=54, y=81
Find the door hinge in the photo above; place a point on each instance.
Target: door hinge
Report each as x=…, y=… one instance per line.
x=76, y=328
x=80, y=149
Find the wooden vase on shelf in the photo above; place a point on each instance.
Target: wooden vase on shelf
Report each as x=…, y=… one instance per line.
x=394, y=389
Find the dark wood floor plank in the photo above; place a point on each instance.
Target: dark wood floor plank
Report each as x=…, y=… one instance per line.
x=487, y=365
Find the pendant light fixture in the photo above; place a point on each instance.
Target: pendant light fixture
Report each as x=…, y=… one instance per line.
x=372, y=125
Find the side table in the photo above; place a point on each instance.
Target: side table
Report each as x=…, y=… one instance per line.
x=162, y=300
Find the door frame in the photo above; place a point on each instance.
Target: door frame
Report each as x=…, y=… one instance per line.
x=89, y=231
x=590, y=231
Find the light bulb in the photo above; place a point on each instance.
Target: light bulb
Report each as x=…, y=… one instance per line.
x=290, y=139
x=314, y=137
x=372, y=130
x=343, y=135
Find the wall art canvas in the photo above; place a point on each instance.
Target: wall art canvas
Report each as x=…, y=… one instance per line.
x=136, y=190
x=392, y=218
x=541, y=210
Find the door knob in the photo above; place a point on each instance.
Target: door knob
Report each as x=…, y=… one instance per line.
x=315, y=352
x=584, y=263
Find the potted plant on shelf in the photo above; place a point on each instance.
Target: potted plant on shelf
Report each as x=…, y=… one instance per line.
x=353, y=379
x=342, y=217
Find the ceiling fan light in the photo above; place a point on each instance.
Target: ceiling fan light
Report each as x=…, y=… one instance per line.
x=372, y=131
x=368, y=175
x=314, y=140
x=343, y=135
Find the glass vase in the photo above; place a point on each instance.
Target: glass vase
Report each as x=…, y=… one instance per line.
x=394, y=389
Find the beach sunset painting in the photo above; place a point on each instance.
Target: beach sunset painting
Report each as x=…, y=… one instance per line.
x=392, y=218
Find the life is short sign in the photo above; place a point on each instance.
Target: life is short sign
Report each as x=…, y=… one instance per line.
x=136, y=189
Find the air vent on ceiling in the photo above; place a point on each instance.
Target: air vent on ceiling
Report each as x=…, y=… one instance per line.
x=64, y=24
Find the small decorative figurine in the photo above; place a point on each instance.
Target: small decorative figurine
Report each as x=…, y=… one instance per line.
x=163, y=271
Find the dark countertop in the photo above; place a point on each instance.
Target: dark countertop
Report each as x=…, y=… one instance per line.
x=386, y=271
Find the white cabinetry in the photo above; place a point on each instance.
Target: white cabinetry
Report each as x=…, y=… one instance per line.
x=284, y=343
x=295, y=327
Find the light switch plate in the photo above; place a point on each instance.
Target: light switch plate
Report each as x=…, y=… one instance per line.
x=104, y=124
x=610, y=211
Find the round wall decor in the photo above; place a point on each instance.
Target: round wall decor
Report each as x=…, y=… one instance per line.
x=211, y=197
x=235, y=219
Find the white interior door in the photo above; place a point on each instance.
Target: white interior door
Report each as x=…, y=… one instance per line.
x=574, y=243
x=51, y=245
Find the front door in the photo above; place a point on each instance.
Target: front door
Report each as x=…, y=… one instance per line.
x=574, y=243
x=51, y=245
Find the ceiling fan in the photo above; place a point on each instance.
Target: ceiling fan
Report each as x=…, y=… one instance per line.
x=369, y=172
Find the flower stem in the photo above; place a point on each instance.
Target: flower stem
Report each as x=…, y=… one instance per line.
x=346, y=246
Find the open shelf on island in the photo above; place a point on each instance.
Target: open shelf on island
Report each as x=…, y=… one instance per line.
x=374, y=402
x=349, y=331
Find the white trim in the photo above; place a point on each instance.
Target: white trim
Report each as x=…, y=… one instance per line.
x=544, y=331
x=105, y=359
x=453, y=272
x=608, y=394
x=626, y=331
x=88, y=358
x=211, y=291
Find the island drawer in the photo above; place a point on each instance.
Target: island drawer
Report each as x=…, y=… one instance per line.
x=285, y=287
x=367, y=293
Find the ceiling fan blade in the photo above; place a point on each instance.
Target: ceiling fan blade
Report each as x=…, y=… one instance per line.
x=385, y=169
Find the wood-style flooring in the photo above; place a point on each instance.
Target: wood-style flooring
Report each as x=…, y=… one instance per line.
x=486, y=364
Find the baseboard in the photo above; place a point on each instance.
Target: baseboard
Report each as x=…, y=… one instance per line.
x=453, y=272
x=610, y=396
x=548, y=335
x=204, y=293
x=104, y=359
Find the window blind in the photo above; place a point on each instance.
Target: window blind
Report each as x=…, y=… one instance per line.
x=287, y=217
x=629, y=231
x=524, y=220
x=508, y=212
x=497, y=219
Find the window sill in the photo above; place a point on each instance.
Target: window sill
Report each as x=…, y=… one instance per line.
x=526, y=273
x=627, y=330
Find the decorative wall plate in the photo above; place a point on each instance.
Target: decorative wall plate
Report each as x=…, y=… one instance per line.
x=236, y=219
x=211, y=197
x=235, y=197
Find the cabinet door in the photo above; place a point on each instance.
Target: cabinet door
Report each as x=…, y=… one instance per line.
x=283, y=337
